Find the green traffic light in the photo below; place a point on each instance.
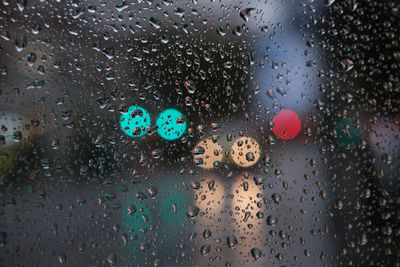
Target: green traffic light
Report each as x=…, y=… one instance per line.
x=348, y=132
x=134, y=123
x=171, y=124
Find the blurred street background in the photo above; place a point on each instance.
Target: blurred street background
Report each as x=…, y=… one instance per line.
x=76, y=189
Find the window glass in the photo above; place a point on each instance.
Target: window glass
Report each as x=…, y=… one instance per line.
x=199, y=133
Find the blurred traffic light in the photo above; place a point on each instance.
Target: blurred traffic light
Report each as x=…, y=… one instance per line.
x=171, y=124
x=135, y=122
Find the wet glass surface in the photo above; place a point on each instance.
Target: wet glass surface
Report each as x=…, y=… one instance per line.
x=199, y=133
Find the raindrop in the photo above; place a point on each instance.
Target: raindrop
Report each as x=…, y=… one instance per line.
x=17, y=136
x=131, y=210
x=264, y=28
x=256, y=253
x=156, y=153
x=231, y=241
x=192, y=212
x=250, y=156
x=62, y=258
x=237, y=31
x=272, y=221
x=152, y=191
x=221, y=31
x=329, y=2
x=246, y=216
x=154, y=22
x=112, y=259
x=245, y=13
x=245, y=186
x=195, y=185
x=211, y=184
x=31, y=59
x=205, y=249
x=258, y=180
x=207, y=234
x=190, y=87
x=347, y=64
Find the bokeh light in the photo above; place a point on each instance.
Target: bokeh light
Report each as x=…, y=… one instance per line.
x=206, y=153
x=349, y=132
x=287, y=124
x=245, y=152
x=135, y=122
x=171, y=124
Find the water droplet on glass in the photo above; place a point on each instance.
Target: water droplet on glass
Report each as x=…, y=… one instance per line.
x=237, y=31
x=271, y=220
x=192, y=212
x=207, y=234
x=152, y=191
x=154, y=22
x=347, y=64
x=190, y=87
x=245, y=13
x=256, y=253
x=231, y=241
x=329, y=2
x=221, y=31
x=205, y=249
x=62, y=258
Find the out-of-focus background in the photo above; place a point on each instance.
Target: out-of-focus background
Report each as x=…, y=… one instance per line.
x=280, y=148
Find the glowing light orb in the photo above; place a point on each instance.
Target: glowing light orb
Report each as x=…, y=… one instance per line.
x=349, y=132
x=171, y=201
x=171, y=124
x=245, y=152
x=135, y=122
x=206, y=153
x=287, y=124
